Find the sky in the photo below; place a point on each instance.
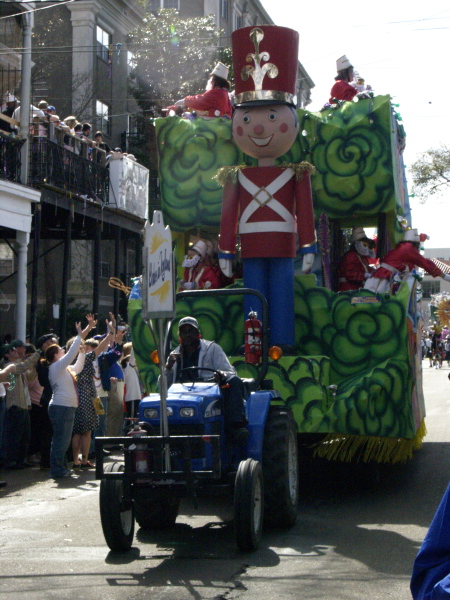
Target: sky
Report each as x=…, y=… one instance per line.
x=400, y=49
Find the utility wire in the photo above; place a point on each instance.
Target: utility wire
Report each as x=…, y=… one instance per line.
x=24, y=12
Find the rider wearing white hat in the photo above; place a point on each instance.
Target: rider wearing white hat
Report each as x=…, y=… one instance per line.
x=354, y=267
x=215, y=101
x=342, y=90
x=402, y=259
x=198, y=273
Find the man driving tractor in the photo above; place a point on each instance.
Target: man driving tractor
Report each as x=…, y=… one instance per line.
x=196, y=352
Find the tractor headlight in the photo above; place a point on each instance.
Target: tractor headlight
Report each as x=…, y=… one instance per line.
x=187, y=412
x=151, y=413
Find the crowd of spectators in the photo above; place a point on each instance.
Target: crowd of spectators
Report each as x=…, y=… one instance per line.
x=76, y=136
x=54, y=400
x=436, y=345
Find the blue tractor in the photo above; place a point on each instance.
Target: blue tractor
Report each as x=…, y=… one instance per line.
x=195, y=458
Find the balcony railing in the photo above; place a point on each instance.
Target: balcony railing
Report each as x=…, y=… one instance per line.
x=10, y=160
x=62, y=167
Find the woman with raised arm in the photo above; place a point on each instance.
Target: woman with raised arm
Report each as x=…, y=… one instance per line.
x=86, y=419
x=64, y=401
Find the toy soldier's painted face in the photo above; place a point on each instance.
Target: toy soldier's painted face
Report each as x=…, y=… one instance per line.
x=266, y=131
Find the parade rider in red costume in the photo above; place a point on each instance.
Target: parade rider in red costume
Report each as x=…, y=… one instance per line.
x=354, y=267
x=267, y=205
x=342, y=90
x=198, y=274
x=400, y=260
x=215, y=101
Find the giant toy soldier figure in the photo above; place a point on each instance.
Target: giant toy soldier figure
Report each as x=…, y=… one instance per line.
x=267, y=205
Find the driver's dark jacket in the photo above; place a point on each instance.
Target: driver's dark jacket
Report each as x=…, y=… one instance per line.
x=211, y=356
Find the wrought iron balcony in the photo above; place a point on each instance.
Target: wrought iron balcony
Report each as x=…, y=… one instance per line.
x=66, y=168
x=10, y=160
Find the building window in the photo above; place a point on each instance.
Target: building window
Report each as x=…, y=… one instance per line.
x=104, y=40
x=224, y=9
x=238, y=21
x=103, y=117
x=430, y=287
x=171, y=4
x=6, y=260
x=106, y=260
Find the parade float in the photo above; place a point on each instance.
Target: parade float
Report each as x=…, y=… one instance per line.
x=353, y=380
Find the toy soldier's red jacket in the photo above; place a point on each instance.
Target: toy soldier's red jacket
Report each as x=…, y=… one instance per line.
x=342, y=90
x=352, y=271
x=271, y=205
x=405, y=255
x=213, y=103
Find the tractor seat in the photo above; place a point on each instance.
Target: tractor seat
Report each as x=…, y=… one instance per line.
x=249, y=386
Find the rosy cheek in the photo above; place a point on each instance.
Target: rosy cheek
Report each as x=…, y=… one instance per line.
x=284, y=127
x=239, y=130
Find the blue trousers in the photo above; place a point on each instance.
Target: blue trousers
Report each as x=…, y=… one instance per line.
x=274, y=278
x=62, y=418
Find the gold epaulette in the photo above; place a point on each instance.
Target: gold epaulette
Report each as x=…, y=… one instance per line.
x=230, y=174
x=300, y=168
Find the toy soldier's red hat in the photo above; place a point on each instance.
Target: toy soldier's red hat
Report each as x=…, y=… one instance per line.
x=265, y=62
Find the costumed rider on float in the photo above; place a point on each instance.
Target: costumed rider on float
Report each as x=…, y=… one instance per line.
x=401, y=260
x=267, y=205
x=354, y=267
x=198, y=274
x=194, y=351
x=214, y=102
x=346, y=87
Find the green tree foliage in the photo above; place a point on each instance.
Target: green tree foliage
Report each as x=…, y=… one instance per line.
x=431, y=172
x=172, y=57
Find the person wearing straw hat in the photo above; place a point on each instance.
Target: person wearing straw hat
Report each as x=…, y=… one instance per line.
x=354, y=267
x=215, y=101
x=401, y=260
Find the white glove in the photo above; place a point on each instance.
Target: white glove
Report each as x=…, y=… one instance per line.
x=308, y=260
x=226, y=266
x=446, y=276
x=188, y=285
x=367, y=275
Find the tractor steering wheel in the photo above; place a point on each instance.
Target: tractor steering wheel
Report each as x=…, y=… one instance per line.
x=187, y=374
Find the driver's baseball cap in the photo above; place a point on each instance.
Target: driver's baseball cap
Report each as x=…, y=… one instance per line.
x=188, y=321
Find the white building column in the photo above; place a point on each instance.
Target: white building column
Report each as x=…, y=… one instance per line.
x=22, y=239
x=83, y=18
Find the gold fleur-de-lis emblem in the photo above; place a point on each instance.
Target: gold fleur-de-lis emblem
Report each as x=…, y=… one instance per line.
x=259, y=71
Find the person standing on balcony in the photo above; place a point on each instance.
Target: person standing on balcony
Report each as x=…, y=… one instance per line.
x=8, y=110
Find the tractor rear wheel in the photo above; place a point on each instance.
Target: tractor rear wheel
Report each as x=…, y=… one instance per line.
x=280, y=468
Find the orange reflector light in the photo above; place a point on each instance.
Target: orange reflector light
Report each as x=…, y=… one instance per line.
x=275, y=352
x=154, y=357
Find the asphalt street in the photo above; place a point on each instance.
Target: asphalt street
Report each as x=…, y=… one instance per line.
x=357, y=533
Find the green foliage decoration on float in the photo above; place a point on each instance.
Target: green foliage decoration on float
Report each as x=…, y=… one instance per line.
x=362, y=348
x=190, y=152
x=350, y=146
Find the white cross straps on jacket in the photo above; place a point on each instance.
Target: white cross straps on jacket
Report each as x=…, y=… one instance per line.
x=264, y=196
